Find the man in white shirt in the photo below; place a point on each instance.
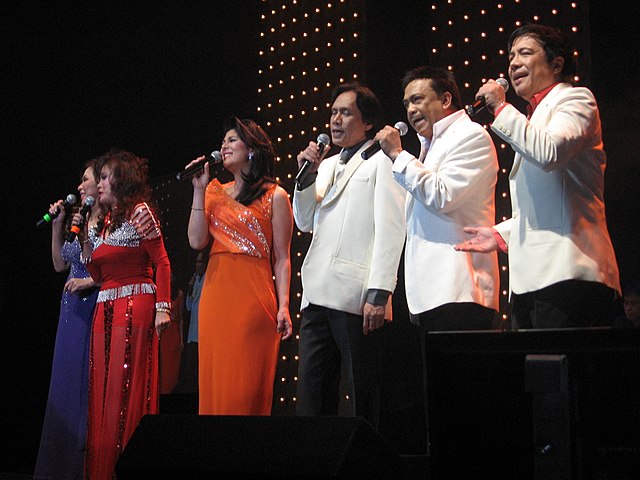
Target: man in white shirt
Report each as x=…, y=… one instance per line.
x=451, y=184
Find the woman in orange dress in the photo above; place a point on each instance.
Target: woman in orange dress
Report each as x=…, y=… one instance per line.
x=244, y=305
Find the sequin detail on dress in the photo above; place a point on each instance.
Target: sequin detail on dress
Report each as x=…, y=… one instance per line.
x=258, y=246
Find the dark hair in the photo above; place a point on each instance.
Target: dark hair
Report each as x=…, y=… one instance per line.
x=129, y=182
x=366, y=101
x=441, y=81
x=632, y=288
x=555, y=44
x=260, y=163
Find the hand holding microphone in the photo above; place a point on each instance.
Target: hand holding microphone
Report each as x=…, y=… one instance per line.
x=84, y=211
x=48, y=217
x=311, y=152
x=489, y=94
x=197, y=166
x=401, y=127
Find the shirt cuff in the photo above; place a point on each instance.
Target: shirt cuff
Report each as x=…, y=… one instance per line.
x=376, y=296
x=502, y=245
x=401, y=161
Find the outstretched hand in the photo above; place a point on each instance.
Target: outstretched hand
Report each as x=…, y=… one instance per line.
x=482, y=241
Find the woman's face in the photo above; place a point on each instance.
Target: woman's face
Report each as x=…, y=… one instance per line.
x=235, y=153
x=88, y=186
x=104, y=188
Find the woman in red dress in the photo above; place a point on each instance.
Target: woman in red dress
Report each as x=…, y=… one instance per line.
x=131, y=311
x=244, y=304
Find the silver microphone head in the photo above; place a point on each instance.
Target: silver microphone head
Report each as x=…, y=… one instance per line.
x=503, y=83
x=323, y=139
x=71, y=199
x=402, y=128
x=216, y=156
x=90, y=201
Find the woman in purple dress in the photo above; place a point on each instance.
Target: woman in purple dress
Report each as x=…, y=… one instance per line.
x=62, y=444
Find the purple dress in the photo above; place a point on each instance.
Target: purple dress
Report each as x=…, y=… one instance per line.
x=62, y=444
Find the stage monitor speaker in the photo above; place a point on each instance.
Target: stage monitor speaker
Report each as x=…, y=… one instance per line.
x=519, y=404
x=194, y=447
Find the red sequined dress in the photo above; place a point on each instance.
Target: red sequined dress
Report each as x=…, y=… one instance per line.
x=123, y=363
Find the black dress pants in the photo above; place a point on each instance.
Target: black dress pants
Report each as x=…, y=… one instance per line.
x=332, y=345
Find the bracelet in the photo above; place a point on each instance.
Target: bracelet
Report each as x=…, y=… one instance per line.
x=163, y=310
x=197, y=209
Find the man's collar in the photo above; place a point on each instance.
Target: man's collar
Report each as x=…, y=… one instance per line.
x=442, y=124
x=537, y=98
x=347, y=153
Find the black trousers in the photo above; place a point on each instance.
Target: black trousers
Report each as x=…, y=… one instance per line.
x=568, y=304
x=332, y=346
x=449, y=317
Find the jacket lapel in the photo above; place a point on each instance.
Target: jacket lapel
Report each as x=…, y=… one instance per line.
x=352, y=165
x=541, y=112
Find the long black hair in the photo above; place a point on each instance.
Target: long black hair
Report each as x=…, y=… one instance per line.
x=260, y=174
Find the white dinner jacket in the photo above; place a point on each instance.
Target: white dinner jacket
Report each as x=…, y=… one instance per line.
x=452, y=188
x=358, y=231
x=558, y=230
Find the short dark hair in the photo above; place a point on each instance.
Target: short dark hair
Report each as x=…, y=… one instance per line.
x=129, y=181
x=441, y=80
x=555, y=44
x=366, y=101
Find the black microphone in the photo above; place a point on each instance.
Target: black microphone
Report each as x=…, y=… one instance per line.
x=481, y=102
x=86, y=208
x=214, y=157
x=369, y=152
x=70, y=200
x=323, y=140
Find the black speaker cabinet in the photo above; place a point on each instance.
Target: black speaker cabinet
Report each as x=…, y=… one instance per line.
x=524, y=404
x=194, y=447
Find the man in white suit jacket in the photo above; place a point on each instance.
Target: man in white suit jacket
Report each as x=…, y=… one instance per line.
x=355, y=210
x=563, y=270
x=451, y=185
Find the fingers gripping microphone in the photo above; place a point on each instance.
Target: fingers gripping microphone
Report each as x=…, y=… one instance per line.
x=369, y=152
x=323, y=141
x=84, y=211
x=481, y=102
x=48, y=217
x=214, y=157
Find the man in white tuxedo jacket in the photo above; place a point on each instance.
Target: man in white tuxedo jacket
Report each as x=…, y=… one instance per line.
x=451, y=185
x=563, y=270
x=355, y=210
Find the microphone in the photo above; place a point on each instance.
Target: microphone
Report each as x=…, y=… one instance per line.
x=323, y=140
x=214, y=157
x=86, y=208
x=400, y=126
x=481, y=102
x=70, y=200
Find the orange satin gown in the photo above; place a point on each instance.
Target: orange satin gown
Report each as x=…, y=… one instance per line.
x=237, y=338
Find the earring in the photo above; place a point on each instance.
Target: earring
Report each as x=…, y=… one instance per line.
x=251, y=156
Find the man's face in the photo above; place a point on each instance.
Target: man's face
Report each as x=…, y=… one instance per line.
x=424, y=108
x=347, y=126
x=529, y=70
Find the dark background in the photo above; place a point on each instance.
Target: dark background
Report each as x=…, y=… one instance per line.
x=158, y=80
